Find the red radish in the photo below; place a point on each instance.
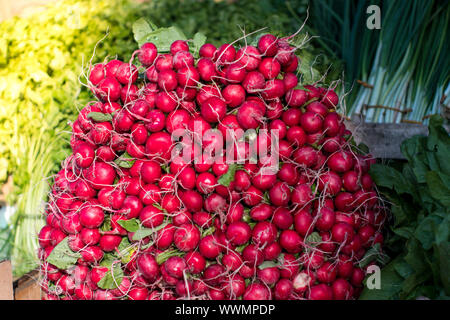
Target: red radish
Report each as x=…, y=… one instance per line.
x=342, y=232
x=195, y=262
x=108, y=89
x=270, y=68
x=213, y=110
x=326, y=273
x=253, y=82
x=283, y=289
x=235, y=73
x=126, y=73
x=89, y=236
x=303, y=223
x=148, y=266
x=279, y=194
x=263, y=233
x=282, y=218
x=311, y=122
x=91, y=216
x=147, y=53
x=164, y=62
x=186, y=237
x=206, y=69
x=97, y=74
x=330, y=99
x=257, y=291
x=167, y=80
x=84, y=154
x=321, y=292
x=209, y=247
x=290, y=81
x=341, y=162
x=267, y=45
x=249, y=57
x=188, y=76
x=207, y=50
x=291, y=241
x=238, y=233
x=269, y=276
x=289, y=265
x=109, y=243
x=330, y=183
x=273, y=89
x=326, y=219
x=225, y=53
x=296, y=97
x=151, y=217
x=234, y=95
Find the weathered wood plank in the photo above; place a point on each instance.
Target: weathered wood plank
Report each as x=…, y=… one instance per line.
x=384, y=139
x=6, y=281
x=27, y=287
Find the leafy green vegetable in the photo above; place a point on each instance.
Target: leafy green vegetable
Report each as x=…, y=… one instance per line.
x=228, y=177
x=131, y=225
x=419, y=241
x=125, y=160
x=99, y=116
x=62, y=256
x=145, y=232
x=161, y=37
x=113, y=278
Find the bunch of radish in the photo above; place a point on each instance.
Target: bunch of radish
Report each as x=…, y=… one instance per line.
x=125, y=220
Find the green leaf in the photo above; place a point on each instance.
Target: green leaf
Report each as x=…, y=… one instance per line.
x=404, y=232
x=108, y=260
x=163, y=38
x=140, y=29
x=444, y=254
x=443, y=231
x=425, y=231
x=125, y=161
x=403, y=269
x=145, y=232
x=62, y=256
x=162, y=257
x=131, y=225
x=106, y=225
x=412, y=146
x=268, y=264
x=113, y=278
x=363, y=148
x=99, y=116
x=437, y=133
x=415, y=256
x=390, y=178
x=373, y=254
x=228, y=177
x=126, y=250
x=198, y=41
x=313, y=239
x=438, y=189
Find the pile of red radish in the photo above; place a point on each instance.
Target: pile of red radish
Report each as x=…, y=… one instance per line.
x=125, y=221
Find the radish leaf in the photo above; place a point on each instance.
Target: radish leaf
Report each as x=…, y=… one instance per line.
x=112, y=279
x=62, y=256
x=99, y=116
